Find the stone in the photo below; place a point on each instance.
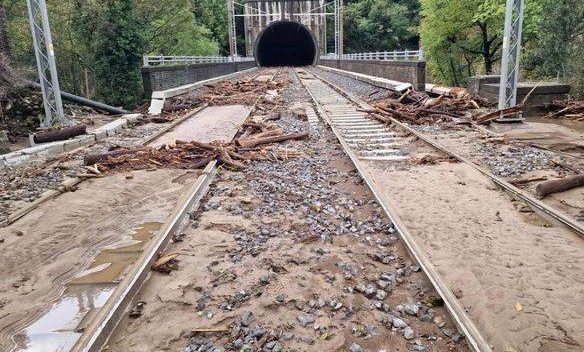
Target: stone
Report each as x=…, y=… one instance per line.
x=246, y=318
x=398, y=323
x=412, y=309
x=355, y=347
x=408, y=333
x=306, y=319
x=370, y=291
x=380, y=295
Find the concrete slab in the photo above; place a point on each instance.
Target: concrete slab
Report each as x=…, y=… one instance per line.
x=374, y=80
x=210, y=124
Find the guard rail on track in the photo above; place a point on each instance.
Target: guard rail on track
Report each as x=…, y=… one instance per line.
x=181, y=60
x=406, y=55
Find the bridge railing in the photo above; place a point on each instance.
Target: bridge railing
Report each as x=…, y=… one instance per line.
x=153, y=60
x=406, y=55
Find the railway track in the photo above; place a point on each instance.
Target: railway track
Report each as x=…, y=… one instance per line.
x=365, y=139
x=97, y=333
x=373, y=145
x=374, y=140
x=365, y=142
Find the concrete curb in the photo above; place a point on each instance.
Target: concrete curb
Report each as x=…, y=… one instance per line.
x=376, y=81
x=46, y=150
x=159, y=97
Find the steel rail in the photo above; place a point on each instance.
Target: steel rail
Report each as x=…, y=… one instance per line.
x=537, y=205
x=462, y=320
x=104, y=324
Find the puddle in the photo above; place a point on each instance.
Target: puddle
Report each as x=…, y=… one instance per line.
x=59, y=328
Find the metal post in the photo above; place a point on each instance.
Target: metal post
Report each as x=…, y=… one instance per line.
x=511, y=55
x=47, y=69
x=232, y=29
x=339, y=29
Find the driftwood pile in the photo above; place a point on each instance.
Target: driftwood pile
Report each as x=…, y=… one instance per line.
x=193, y=155
x=419, y=109
x=265, y=94
x=569, y=109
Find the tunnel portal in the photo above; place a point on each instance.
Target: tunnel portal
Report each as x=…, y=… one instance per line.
x=286, y=43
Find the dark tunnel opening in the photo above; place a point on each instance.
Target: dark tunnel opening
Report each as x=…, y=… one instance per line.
x=285, y=43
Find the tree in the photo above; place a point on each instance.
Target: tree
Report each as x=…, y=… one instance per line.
x=378, y=25
x=456, y=35
x=117, y=53
x=560, y=44
x=4, y=39
x=212, y=15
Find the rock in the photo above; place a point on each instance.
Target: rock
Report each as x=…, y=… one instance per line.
x=246, y=318
x=426, y=318
x=306, y=319
x=355, y=347
x=370, y=291
x=398, y=323
x=419, y=348
x=408, y=333
x=456, y=338
x=238, y=343
x=380, y=295
x=447, y=332
x=412, y=309
x=361, y=287
x=280, y=298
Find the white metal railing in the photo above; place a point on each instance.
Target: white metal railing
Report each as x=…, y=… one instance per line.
x=181, y=60
x=406, y=55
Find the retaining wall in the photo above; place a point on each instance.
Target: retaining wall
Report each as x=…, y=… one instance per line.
x=413, y=72
x=543, y=92
x=158, y=78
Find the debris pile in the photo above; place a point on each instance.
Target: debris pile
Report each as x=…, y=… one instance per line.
x=419, y=109
x=264, y=94
x=569, y=109
x=194, y=155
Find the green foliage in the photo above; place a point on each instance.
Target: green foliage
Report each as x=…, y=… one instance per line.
x=117, y=44
x=212, y=15
x=560, y=45
x=380, y=25
x=172, y=29
x=464, y=37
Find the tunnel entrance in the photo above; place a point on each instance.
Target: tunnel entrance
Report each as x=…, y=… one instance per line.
x=285, y=43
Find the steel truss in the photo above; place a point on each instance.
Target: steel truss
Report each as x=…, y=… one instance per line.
x=47, y=69
x=511, y=56
x=301, y=17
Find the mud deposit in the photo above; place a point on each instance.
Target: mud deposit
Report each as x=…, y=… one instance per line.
x=292, y=255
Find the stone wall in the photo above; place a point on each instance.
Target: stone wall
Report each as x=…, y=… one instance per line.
x=156, y=78
x=413, y=72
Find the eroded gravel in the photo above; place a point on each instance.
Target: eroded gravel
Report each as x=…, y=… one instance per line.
x=292, y=255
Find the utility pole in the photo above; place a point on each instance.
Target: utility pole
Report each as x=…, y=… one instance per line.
x=45, y=57
x=339, y=29
x=511, y=56
x=232, y=29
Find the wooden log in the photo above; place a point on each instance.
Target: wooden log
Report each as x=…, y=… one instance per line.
x=91, y=159
x=60, y=135
x=203, y=162
x=270, y=133
x=560, y=185
x=253, y=142
x=522, y=181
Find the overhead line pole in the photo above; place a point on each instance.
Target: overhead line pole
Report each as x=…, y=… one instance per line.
x=232, y=29
x=339, y=29
x=511, y=56
x=47, y=68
